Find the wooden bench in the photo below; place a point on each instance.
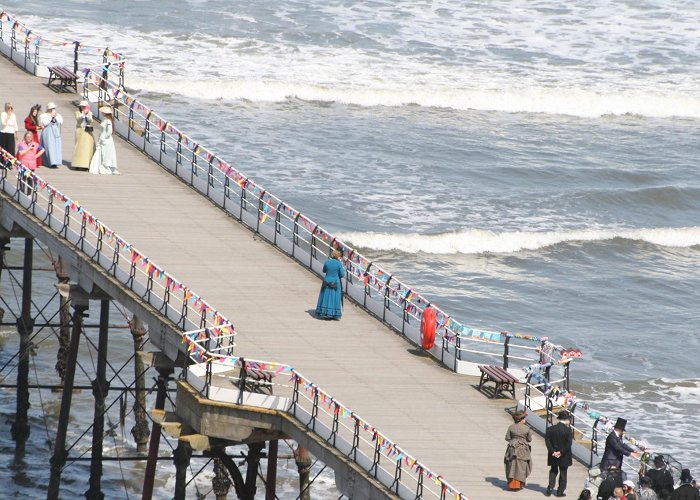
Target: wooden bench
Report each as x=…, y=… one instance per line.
x=504, y=381
x=61, y=79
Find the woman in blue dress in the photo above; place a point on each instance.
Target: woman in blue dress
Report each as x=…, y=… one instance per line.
x=330, y=299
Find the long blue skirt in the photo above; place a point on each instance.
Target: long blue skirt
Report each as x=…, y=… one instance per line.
x=330, y=302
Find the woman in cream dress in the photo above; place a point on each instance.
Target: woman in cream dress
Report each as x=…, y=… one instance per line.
x=104, y=161
x=84, y=142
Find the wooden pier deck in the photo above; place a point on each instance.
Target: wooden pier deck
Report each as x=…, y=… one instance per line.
x=436, y=415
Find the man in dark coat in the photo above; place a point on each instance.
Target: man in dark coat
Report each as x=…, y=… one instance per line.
x=615, y=448
x=686, y=491
x=559, y=458
x=662, y=481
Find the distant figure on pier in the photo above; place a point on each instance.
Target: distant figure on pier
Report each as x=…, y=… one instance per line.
x=585, y=494
x=28, y=153
x=32, y=124
x=51, y=121
x=330, y=299
x=84, y=142
x=686, y=491
x=661, y=478
x=104, y=161
x=558, y=439
x=628, y=489
x=615, y=448
x=8, y=129
x=613, y=478
x=518, y=459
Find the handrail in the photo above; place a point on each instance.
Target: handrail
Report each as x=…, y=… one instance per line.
x=396, y=303
x=22, y=38
x=153, y=284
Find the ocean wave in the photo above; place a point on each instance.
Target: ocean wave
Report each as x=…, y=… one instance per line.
x=556, y=101
x=477, y=241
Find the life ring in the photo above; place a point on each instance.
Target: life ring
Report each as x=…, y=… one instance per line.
x=427, y=328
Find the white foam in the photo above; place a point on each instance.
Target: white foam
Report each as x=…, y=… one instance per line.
x=478, y=241
x=557, y=101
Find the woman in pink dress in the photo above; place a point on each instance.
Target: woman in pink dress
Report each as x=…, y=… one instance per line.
x=31, y=123
x=28, y=153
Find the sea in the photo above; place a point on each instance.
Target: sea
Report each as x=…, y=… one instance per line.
x=529, y=166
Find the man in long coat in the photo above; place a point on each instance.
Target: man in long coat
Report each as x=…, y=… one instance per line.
x=558, y=439
x=615, y=448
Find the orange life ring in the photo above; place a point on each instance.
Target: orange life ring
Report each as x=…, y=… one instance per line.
x=427, y=328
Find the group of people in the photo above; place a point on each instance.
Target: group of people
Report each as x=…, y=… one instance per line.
x=656, y=484
x=41, y=142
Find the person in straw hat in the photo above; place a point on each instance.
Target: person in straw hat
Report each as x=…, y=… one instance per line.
x=104, y=161
x=51, y=136
x=518, y=459
x=84, y=142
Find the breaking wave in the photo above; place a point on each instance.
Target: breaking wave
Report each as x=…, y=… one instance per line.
x=573, y=102
x=478, y=241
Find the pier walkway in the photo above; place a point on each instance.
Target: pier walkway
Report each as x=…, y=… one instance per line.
x=435, y=414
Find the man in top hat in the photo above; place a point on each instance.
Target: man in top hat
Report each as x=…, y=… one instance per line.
x=615, y=448
x=559, y=438
x=686, y=491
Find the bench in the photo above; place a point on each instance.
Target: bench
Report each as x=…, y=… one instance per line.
x=504, y=381
x=61, y=79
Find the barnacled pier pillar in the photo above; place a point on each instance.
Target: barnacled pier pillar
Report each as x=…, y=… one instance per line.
x=271, y=482
x=100, y=386
x=140, y=430
x=221, y=482
x=63, y=315
x=302, y=457
x=25, y=327
x=181, y=459
x=58, y=460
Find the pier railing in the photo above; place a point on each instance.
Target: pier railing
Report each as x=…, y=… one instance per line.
x=36, y=52
x=209, y=340
x=278, y=386
x=381, y=293
x=115, y=255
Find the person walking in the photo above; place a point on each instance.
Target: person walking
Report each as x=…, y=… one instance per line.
x=518, y=459
x=51, y=121
x=686, y=491
x=9, y=129
x=104, y=161
x=558, y=439
x=615, y=448
x=84, y=142
x=661, y=479
x=330, y=298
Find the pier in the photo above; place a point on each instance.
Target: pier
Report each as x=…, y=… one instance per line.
x=253, y=364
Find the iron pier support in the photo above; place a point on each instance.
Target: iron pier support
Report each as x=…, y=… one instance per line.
x=25, y=326
x=303, y=461
x=64, y=316
x=271, y=482
x=140, y=430
x=100, y=387
x=221, y=483
x=162, y=383
x=58, y=459
x=181, y=459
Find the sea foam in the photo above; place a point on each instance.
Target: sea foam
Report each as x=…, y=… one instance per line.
x=478, y=241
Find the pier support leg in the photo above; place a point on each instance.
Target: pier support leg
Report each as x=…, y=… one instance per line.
x=303, y=461
x=63, y=315
x=25, y=326
x=100, y=386
x=221, y=483
x=140, y=430
x=251, y=472
x=58, y=459
x=271, y=482
x=181, y=459
x=163, y=377
x=4, y=242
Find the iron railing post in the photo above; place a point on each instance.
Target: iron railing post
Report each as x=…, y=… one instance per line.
x=506, y=351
